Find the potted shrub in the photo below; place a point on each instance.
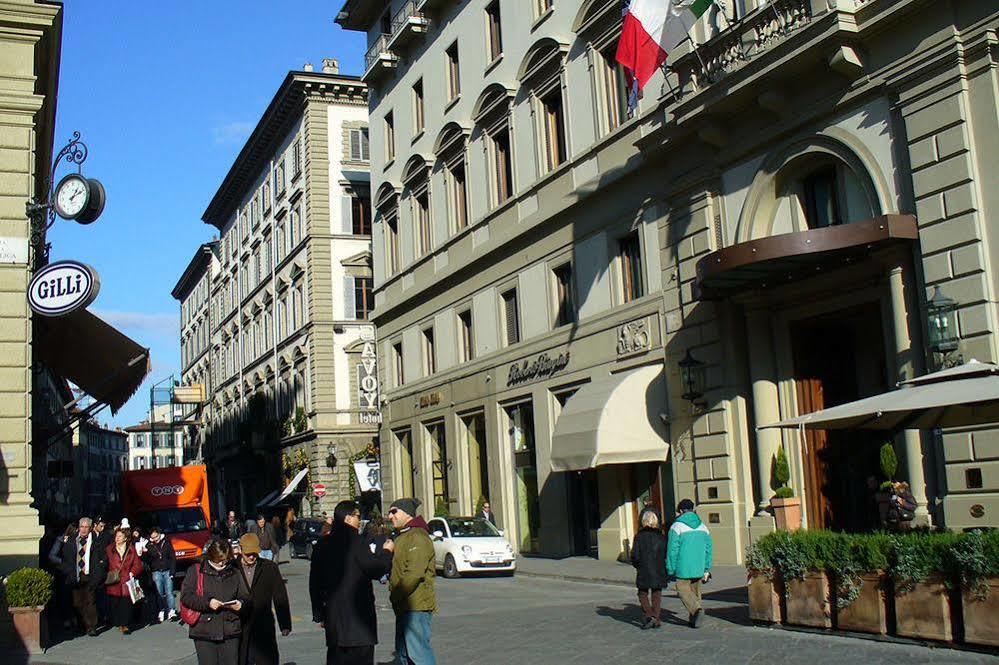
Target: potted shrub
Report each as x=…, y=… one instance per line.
x=860, y=583
x=801, y=559
x=28, y=591
x=763, y=584
x=785, y=505
x=976, y=560
x=919, y=569
x=889, y=467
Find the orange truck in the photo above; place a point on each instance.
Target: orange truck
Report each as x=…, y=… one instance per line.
x=175, y=499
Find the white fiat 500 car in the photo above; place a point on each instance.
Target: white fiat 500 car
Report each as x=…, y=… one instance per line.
x=470, y=545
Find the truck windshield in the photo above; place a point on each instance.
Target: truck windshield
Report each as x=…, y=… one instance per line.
x=174, y=520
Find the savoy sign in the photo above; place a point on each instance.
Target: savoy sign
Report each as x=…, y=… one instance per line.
x=63, y=287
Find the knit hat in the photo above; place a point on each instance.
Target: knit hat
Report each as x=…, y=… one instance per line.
x=686, y=504
x=407, y=505
x=249, y=543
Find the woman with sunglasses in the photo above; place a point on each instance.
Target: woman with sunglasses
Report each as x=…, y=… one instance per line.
x=222, y=603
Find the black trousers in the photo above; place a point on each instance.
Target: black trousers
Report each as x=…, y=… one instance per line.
x=83, y=603
x=225, y=652
x=351, y=655
x=121, y=611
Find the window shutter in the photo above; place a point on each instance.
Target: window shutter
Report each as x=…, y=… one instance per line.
x=355, y=145
x=346, y=215
x=349, y=309
x=365, y=149
x=510, y=314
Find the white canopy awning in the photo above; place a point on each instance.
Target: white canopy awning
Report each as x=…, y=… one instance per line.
x=613, y=420
x=266, y=499
x=960, y=396
x=291, y=487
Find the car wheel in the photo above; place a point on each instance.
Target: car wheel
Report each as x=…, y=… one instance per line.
x=450, y=568
x=308, y=551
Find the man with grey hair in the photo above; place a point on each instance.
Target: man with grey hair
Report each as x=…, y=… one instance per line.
x=84, y=565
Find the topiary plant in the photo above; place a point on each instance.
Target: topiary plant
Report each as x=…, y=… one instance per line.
x=28, y=587
x=889, y=465
x=782, y=474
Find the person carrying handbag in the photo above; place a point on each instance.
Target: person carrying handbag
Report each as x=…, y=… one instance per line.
x=123, y=566
x=214, y=605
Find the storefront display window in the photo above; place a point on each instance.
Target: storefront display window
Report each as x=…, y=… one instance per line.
x=520, y=420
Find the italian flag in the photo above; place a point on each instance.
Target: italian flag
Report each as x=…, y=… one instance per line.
x=651, y=30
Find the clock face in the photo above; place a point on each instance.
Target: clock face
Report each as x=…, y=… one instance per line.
x=72, y=196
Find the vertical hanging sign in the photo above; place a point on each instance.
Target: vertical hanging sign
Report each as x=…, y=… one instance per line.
x=367, y=384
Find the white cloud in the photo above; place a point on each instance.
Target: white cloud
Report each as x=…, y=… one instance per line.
x=154, y=322
x=232, y=132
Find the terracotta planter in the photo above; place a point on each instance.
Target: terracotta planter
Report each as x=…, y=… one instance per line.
x=981, y=617
x=868, y=612
x=787, y=513
x=924, y=612
x=764, y=600
x=31, y=627
x=808, y=602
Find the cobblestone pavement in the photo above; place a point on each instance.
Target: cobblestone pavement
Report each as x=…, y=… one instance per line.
x=530, y=620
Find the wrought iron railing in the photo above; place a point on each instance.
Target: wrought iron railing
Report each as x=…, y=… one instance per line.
x=401, y=17
x=375, y=51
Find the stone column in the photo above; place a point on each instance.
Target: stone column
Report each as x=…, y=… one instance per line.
x=766, y=404
x=906, y=364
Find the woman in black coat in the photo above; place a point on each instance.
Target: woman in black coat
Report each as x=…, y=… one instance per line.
x=648, y=556
x=222, y=602
x=262, y=581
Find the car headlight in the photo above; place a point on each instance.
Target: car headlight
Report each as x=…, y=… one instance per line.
x=466, y=549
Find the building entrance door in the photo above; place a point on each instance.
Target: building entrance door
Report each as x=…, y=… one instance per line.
x=584, y=511
x=839, y=358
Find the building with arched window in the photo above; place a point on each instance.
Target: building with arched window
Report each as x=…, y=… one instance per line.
x=776, y=212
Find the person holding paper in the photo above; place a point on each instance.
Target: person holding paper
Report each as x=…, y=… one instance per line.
x=214, y=589
x=123, y=566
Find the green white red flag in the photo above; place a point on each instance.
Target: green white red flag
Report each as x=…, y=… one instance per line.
x=652, y=29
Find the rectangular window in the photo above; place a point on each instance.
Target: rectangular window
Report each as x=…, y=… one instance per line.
x=389, y=137
x=418, y=107
x=554, y=129
x=502, y=167
x=542, y=6
x=359, y=151
x=405, y=441
x=392, y=245
x=296, y=158
x=630, y=257
x=279, y=179
x=565, y=301
x=495, y=31
x=459, y=196
x=511, y=317
x=466, y=340
x=363, y=301
x=453, y=72
x=429, y=353
x=400, y=376
x=360, y=215
x=615, y=89
x=421, y=215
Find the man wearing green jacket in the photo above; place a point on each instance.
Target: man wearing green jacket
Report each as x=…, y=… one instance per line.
x=411, y=584
x=688, y=558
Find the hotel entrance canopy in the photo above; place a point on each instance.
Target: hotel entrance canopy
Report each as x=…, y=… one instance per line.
x=613, y=420
x=957, y=397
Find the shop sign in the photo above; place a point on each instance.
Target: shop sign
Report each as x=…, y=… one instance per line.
x=429, y=400
x=63, y=287
x=633, y=337
x=369, y=475
x=367, y=378
x=541, y=367
x=371, y=418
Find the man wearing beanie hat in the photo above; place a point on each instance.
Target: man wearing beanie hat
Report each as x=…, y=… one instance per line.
x=262, y=582
x=688, y=558
x=411, y=583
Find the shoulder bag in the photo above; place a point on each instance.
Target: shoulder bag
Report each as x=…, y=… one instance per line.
x=187, y=615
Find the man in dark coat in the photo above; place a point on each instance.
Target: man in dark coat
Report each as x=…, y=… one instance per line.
x=84, y=566
x=263, y=583
x=487, y=513
x=343, y=601
x=232, y=528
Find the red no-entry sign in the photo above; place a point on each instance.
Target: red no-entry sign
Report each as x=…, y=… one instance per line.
x=319, y=490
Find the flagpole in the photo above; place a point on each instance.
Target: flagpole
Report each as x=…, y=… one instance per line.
x=704, y=70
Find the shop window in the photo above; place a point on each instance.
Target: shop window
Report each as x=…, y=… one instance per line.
x=520, y=428
x=439, y=463
x=404, y=440
x=478, y=460
x=630, y=264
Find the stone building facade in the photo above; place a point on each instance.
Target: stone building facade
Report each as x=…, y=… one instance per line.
x=289, y=307
x=780, y=208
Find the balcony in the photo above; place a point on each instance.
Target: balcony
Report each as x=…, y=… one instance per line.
x=430, y=6
x=378, y=60
x=408, y=25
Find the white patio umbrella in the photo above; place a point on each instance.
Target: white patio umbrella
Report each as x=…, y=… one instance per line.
x=960, y=396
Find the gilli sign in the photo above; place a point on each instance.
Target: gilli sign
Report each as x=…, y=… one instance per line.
x=63, y=287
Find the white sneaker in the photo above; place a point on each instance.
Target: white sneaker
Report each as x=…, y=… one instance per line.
x=172, y=615
x=159, y=617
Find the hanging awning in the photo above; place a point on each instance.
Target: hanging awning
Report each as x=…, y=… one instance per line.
x=267, y=499
x=291, y=487
x=613, y=420
x=92, y=354
x=957, y=397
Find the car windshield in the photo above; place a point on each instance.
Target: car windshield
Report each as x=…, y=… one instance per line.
x=174, y=520
x=471, y=527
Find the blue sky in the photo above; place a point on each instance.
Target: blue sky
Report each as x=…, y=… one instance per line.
x=164, y=95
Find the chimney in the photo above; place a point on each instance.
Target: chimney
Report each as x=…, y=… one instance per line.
x=331, y=66
x=307, y=67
